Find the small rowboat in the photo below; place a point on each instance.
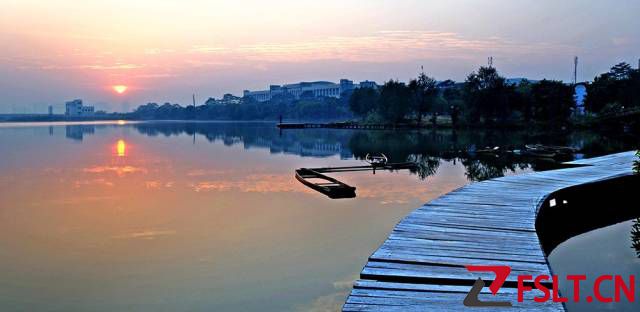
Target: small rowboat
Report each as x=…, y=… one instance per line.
x=325, y=184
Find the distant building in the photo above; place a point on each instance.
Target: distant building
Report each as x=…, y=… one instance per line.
x=313, y=89
x=50, y=110
x=226, y=100
x=230, y=99
x=579, y=94
x=75, y=108
x=368, y=84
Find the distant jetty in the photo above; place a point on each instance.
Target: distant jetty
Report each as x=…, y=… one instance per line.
x=355, y=125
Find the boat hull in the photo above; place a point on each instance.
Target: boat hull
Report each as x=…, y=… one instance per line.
x=332, y=188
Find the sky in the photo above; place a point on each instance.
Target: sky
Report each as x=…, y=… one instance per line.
x=167, y=50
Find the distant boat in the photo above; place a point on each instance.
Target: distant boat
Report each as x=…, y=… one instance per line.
x=489, y=150
x=538, y=150
x=325, y=184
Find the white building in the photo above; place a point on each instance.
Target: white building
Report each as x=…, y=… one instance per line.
x=313, y=89
x=75, y=108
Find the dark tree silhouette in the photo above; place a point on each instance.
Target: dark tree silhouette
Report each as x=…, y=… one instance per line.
x=620, y=86
x=487, y=96
x=395, y=101
x=425, y=94
x=363, y=101
x=621, y=71
x=552, y=101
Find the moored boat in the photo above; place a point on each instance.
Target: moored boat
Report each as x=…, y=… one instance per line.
x=325, y=184
x=376, y=160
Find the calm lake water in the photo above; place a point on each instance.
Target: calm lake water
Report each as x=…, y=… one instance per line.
x=613, y=250
x=175, y=216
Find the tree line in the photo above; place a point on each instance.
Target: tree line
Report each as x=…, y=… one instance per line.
x=484, y=98
x=305, y=108
x=487, y=98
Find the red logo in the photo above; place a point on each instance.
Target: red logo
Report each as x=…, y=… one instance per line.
x=501, y=272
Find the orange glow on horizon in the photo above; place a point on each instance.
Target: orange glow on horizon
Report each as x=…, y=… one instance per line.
x=120, y=89
x=121, y=148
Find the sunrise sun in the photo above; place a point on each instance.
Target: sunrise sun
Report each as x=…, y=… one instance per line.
x=120, y=89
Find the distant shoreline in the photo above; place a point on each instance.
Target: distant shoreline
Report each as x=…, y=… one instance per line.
x=57, y=118
x=292, y=123
x=6, y=118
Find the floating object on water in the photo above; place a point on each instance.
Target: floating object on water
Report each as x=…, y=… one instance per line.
x=539, y=150
x=326, y=185
x=489, y=150
x=317, y=180
x=376, y=160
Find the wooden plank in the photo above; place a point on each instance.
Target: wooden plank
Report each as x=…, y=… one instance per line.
x=366, y=299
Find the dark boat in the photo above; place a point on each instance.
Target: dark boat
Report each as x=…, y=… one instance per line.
x=538, y=150
x=291, y=125
x=328, y=185
x=489, y=150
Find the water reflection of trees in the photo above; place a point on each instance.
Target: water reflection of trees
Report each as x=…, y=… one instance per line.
x=478, y=170
x=306, y=143
x=427, y=148
x=425, y=165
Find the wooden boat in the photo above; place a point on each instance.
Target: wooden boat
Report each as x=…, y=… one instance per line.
x=327, y=185
x=489, y=150
x=538, y=150
x=552, y=148
x=540, y=154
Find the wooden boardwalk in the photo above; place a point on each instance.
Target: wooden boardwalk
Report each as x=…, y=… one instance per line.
x=420, y=267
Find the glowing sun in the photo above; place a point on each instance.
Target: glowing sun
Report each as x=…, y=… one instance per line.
x=120, y=88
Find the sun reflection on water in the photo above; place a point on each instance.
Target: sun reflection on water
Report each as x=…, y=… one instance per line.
x=121, y=148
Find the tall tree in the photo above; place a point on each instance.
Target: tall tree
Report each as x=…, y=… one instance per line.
x=425, y=93
x=487, y=95
x=363, y=101
x=453, y=98
x=395, y=101
x=621, y=71
x=552, y=101
x=620, y=86
x=522, y=100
